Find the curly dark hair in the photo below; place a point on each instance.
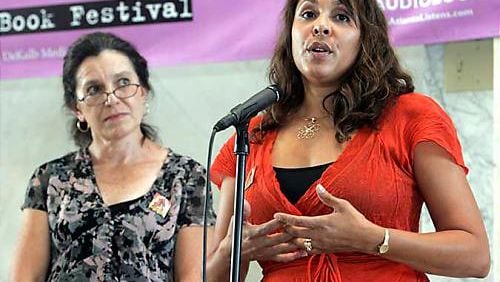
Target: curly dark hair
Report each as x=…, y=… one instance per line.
x=92, y=45
x=374, y=81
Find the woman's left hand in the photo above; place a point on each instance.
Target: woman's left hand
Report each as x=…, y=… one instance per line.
x=345, y=229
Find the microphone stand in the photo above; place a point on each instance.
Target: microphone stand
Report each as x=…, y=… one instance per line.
x=241, y=150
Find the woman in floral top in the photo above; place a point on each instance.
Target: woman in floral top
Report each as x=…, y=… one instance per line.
x=122, y=208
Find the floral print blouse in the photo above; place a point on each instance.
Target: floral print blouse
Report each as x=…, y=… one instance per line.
x=130, y=241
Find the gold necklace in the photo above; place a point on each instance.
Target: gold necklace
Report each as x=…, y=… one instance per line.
x=309, y=130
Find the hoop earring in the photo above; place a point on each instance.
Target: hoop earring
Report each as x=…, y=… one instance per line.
x=83, y=126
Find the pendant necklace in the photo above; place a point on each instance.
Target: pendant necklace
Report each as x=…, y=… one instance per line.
x=310, y=128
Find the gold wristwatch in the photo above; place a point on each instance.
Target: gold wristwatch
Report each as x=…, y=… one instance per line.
x=384, y=247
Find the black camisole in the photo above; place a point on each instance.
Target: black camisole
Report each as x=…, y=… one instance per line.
x=294, y=182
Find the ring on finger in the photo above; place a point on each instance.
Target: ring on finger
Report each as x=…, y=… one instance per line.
x=308, y=245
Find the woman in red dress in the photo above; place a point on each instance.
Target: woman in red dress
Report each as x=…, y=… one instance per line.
x=340, y=167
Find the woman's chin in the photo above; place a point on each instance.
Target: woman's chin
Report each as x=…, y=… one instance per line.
x=322, y=79
x=117, y=133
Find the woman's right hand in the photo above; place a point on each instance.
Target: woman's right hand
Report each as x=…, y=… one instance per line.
x=266, y=241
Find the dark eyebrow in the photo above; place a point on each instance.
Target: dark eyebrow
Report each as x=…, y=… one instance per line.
x=310, y=1
x=336, y=2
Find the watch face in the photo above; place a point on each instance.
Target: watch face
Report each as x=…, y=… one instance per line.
x=383, y=249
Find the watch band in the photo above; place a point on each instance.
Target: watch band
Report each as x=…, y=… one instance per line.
x=384, y=247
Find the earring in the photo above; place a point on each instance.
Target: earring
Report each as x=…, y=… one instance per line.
x=83, y=126
x=147, y=109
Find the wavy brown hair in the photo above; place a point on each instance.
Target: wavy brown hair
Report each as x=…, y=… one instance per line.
x=372, y=83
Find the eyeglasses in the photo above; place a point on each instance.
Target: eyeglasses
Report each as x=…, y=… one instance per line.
x=100, y=97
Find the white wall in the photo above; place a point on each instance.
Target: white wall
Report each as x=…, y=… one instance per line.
x=496, y=142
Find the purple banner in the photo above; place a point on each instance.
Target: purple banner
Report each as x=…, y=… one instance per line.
x=35, y=34
x=434, y=21
x=219, y=31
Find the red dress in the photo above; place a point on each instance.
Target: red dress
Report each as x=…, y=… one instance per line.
x=374, y=173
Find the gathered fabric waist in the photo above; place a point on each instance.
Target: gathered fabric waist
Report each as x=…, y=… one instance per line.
x=343, y=267
x=315, y=268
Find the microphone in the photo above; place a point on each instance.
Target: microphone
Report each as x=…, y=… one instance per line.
x=245, y=111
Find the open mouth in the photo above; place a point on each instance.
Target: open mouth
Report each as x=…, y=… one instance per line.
x=319, y=48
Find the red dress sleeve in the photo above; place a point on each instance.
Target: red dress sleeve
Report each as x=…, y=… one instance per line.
x=427, y=121
x=225, y=162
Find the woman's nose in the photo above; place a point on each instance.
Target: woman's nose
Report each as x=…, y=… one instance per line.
x=321, y=25
x=111, y=98
x=321, y=30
